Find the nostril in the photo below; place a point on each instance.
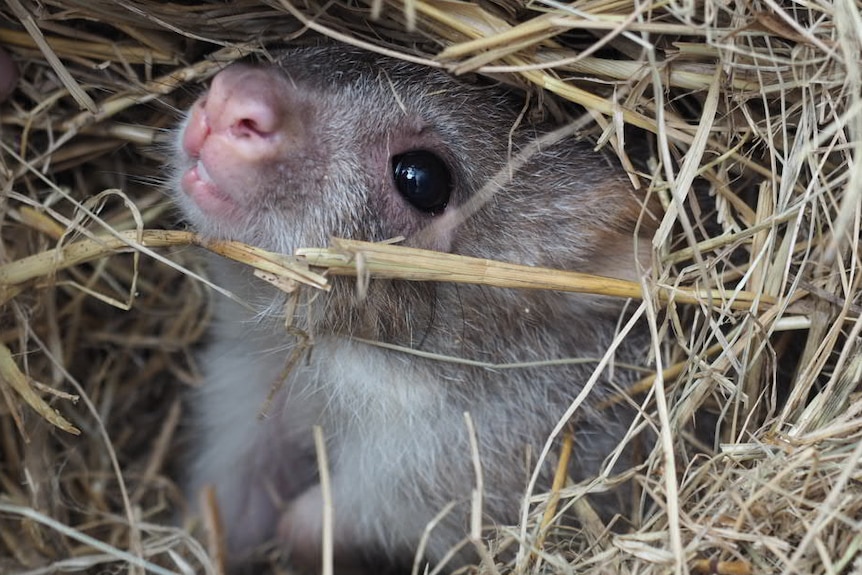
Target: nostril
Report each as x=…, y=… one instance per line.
x=248, y=127
x=196, y=132
x=248, y=115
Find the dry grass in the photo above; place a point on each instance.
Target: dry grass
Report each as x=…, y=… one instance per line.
x=754, y=297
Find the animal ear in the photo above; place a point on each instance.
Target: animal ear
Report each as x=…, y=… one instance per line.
x=623, y=254
x=622, y=257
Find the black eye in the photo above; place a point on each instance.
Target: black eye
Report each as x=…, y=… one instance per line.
x=423, y=179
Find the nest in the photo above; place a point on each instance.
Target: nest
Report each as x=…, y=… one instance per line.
x=755, y=114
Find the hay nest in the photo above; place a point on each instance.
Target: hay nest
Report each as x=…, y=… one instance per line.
x=753, y=299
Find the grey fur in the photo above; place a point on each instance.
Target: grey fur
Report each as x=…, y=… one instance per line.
x=398, y=445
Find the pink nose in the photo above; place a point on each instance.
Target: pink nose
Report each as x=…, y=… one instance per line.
x=240, y=137
x=245, y=111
